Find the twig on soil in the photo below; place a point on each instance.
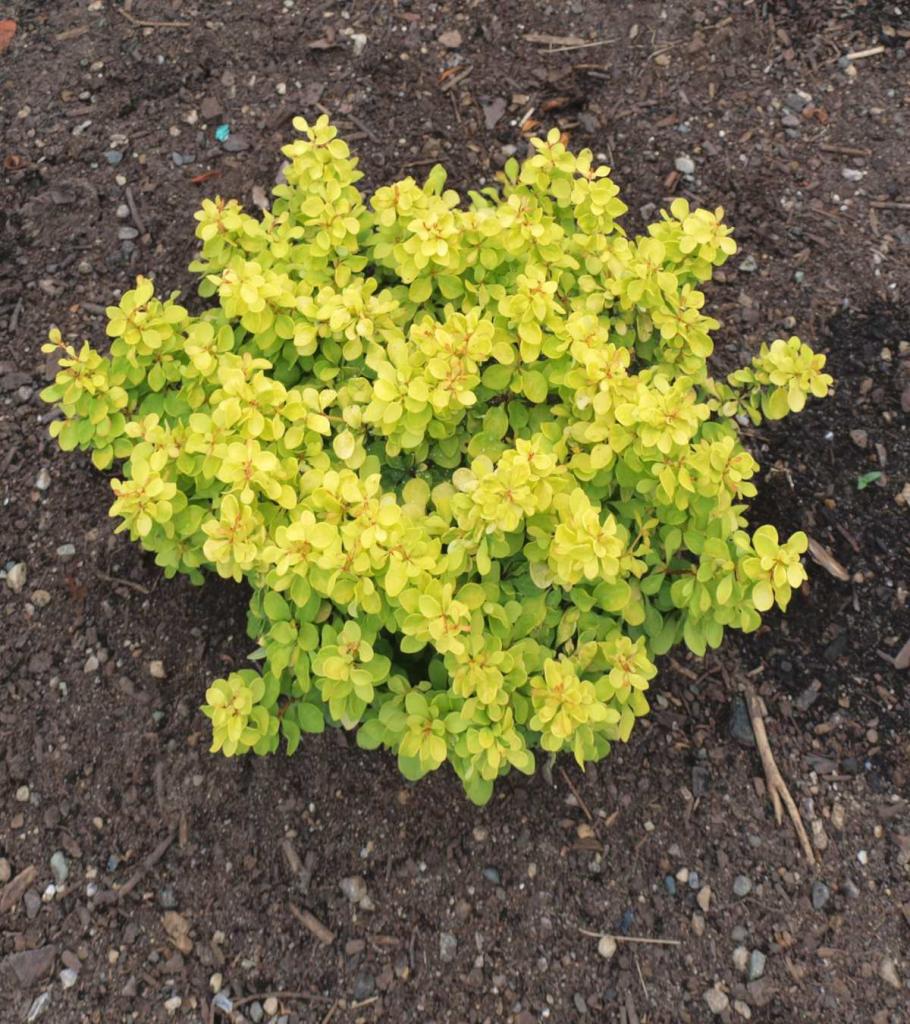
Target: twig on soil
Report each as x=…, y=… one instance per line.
x=138, y=587
x=114, y=895
x=777, y=788
x=134, y=212
x=312, y=997
x=830, y=147
x=640, y=939
x=889, y=204
x=577, y=795
x=14, y=318
x=331, y=1013
x=641, y=978
x=364, y=1002
x=313, y=925
x=873, y=51
x=139, y=23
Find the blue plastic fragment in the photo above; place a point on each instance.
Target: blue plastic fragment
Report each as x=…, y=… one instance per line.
x=223, y=132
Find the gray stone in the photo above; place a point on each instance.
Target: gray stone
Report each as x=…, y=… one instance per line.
x=236, y=144
x=66, y=551
x=364, y=985
x=68, y=977
x=790, y=121
x=354, y=888
x=820, y=895
x=43, y=480
x=167, y=898
x=492, y=875
x=756, y=967
x=685, y=165
x=16, y=577
x=113, y=157
x=60, y=868
x=39, y=1005
x=738, y=725
x=670, y=885
x=448, y=946
x=127, y=233
x=717, y=1001
x=31, y=965
x=256, y=1013
x=749, y=265
x=797, y=101
x=742, y=886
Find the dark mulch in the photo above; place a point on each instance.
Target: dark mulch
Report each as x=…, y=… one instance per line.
x=115, y=760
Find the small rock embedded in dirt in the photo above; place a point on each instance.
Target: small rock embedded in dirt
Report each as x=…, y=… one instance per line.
x=172, y=1005
x=797, y=101
x=852, y=174
x=740, y=958
x=492, y=112
x=685, y=165
x=451, y=39
x=167, y=898
x=742, y=1009
x=756, y=965
x=739, y=725
x=127, y=233
x=15, y=578
x=123, y=211
x=887, y=971
x=820, y=895
x=749, y=265
x=43, y=480
x=364, y=986
x=717, y=1001
x=790, y=120
x=354, y=888
x=236, y=144
x=113, y=157
x=157, y=670
x=39, y=1005
x=270, y=1006
x=22, y=794
x=31, y=965
x=860, y=438
x=68, y=977
x=210, y=108
x=448, y=946
x=863, y=857
x=66, y=551
x=703, y=899
x=492, y=876
x=256, y=1012
x=60, y=868
x=742, y=886
x=698, y=925
x=670, y=885
x=6, y=871
x=91, y=664
x=607, y=947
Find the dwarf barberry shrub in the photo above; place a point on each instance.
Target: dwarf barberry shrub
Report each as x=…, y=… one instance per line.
x=468, y=456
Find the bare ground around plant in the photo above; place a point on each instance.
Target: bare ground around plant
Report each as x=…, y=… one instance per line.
x=187, y=875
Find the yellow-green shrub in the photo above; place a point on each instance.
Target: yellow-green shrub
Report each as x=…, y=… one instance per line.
x=467, y=455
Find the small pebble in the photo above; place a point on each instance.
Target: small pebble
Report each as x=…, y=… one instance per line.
x=790, y=120
x=15, y=578
x=887, y=971
x=224, y=1003
x=41, y=598
x=852, y=174
x=820, y=895
x=739, y=725
x=703, y=899
x=717, y=1001
x=863, y=857
x=698, y=925
x=694, y=880
x=68, y=977
x=66, y=551
x=270, y=1006
x=60, y=868
x=492, y=876
x=39, y=1005
x=740, y=958
x=22, y=794
x=6, y=871
x=670, y=885
x=364, y=986
x=156, y=670
x=749, y=265
x=127, y=233
x=756, y=966
x=738, y=935
x=113, y=157
x=91, y=664
x=851, y=889
x=123, y=211
x=173, y=1004
x=256, y=1012
x=167, y=898
x=742, y=1009
x=448, y=947
x=43, y=480
x=606, y=947
x=354, y=888
x=685, y=165
x=742, y=886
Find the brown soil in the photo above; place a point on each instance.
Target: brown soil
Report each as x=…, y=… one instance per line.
x=115, y=759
